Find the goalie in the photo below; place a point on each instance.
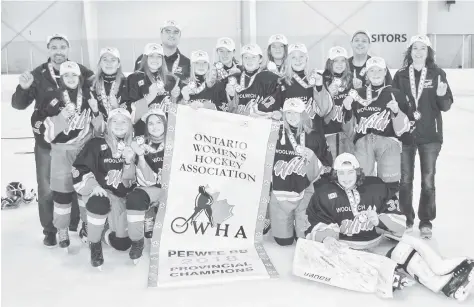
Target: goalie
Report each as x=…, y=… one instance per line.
x=353, y=211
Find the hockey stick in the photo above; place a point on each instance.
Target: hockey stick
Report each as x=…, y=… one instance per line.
x=24, y=152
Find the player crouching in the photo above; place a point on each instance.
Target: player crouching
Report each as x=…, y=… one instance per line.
x=103, y=174
x=353, y=211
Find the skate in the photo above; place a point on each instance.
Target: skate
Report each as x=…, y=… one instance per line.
x=50, y=240
x=136, y=250
x=461, y=282
x=63, y=236
x=97, y=258
x=149, y=222
x=425, y=232
x=266, y=226
x=83, y=232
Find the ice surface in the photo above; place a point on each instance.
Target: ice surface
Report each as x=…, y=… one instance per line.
x=33, y=275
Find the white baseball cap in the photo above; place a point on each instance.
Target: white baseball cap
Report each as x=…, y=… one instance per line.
x=153, y=48
x=297, y=47
x=225, y=42
x=110, y=50
x=361, y=32
x=154, y=109
x=253, y=49
x=375, y=62
x=420, y=38
x=346, y=161
x=199, y=55
x=55, y=36
x=119, y=111
x=278, y=38
x=294, y=104
x=337, y=51
x=170, y=23
x=69, y=66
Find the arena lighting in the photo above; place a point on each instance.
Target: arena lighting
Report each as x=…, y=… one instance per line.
x=449, y=3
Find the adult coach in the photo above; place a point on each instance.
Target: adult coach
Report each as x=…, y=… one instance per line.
x=176, y=62
x=33, y=86
x=360, y=44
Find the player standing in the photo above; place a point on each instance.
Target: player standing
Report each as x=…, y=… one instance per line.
x=34, y=87
x=427, y=89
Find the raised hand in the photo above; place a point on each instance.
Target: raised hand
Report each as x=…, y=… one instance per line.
x=26, y=79
x=393, y=105
x=442, y=87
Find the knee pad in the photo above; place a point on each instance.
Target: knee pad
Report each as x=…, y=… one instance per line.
x=402, y=254
x=62, y=198
x=285, y=241
x=138, y=199
x=98, y=205
x=121, y=244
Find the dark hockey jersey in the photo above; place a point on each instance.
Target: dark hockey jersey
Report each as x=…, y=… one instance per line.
x=375, y=117
x=335, y=211
x=95, y=165
x=149, y=172
x=259, y=93
x=296, y=90
x=102, y=98
x=333, y=121
x=138, y=85
x=292, y=173
x=215, y=96
x=177, y=64
x=361, y=72
x=75, y=130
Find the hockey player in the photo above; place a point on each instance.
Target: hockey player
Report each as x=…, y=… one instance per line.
x=429, y=94
x=256, y=92
x=142, y=203
x=103, y=174
x=109, y=87
x=70, y=116
x=224, y=58
x=352, y=210
x=202, y=89
x=338, y=82
x=277, y=53
x=360, y=44
x=34, y=86
x=380, y=115
x=177, y=63
x=300, y=83
x=301, y=156
x=151, y=84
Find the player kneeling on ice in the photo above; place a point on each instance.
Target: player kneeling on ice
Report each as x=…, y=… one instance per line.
x=297, y=164
x=142, y=203
x=353, y=211
x=103, y=174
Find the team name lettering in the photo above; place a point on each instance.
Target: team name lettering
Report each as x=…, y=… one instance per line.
x=114, y=160
x=337, y=115
x=378, y=121
x=284, y=169
x=355, y=226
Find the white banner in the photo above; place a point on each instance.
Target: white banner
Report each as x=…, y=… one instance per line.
x=216, y=172
x=347, y=268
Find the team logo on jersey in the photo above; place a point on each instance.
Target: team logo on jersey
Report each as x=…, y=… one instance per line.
x=38, y=124
x=295, y=166
x=141, y=83
x=428, y=83
x=114, y=178
x=332, y=195
x=360, y=223
x=337, y=115
x=378, y=121
x=179, y=70
x=216, y=212
x=103, y=147
x=54, y=102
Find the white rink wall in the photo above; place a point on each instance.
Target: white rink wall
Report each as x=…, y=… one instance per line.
x=16, y=124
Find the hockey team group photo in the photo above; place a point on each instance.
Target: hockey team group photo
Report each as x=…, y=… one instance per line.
x=220, y=152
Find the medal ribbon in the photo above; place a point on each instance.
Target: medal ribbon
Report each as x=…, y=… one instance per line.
x=241, y=87
x=53, y=75
x=296, y=147
x=175, y=64
x=414, y=93
x=106, y=99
